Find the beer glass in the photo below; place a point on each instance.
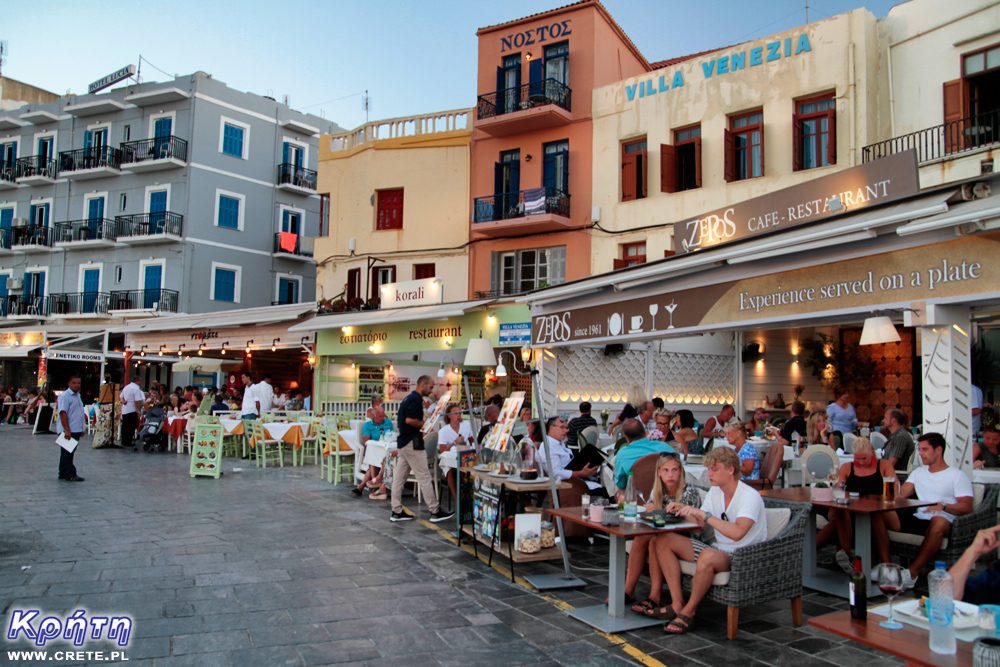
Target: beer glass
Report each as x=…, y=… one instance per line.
x=888, y=489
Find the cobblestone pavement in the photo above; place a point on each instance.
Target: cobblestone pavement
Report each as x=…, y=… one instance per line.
x=277, y=567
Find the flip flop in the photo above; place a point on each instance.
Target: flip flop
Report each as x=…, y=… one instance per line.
x=645, y=606
x=684, y=624
x=662, y=613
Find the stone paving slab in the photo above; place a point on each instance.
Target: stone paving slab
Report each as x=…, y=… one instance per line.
x=277, y=567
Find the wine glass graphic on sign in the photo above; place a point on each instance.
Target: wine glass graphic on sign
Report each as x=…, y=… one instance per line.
x=653, y=309
x=671, y=307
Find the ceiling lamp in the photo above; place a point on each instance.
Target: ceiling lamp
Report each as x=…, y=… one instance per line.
x=879, y=329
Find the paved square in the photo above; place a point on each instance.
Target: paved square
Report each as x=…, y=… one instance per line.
x=277, y=567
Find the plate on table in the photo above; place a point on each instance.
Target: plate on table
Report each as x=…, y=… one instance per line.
x=517, y=478
x=966, y=615
x=482, y=467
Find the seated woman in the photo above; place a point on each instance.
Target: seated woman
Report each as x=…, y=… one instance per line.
x=454, y=434
x=31, y=408
x=747, y=453
x=682, y=432
x=759, y=421
x=863, y=476
x=670, y=486
x=735, y=512
x=818, y=431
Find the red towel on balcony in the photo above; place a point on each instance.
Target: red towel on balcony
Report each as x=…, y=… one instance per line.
x=289, y=241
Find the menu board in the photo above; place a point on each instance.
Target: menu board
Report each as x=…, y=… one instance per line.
x=436, y=414
x=206, y=455
x=466, y=488
x=501, y=432
x=487, y=509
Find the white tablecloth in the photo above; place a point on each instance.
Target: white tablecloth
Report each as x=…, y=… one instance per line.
x=374, y=450
x=228, y=425
x=277, y=431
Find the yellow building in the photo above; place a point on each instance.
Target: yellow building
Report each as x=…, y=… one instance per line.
x=399, y=207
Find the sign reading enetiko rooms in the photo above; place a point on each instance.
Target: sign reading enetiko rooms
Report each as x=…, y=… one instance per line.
x=848, y=191
x=957, y=268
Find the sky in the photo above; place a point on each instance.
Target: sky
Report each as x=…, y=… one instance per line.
x=413, y=57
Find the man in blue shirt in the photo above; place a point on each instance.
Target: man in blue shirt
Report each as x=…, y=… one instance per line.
x=73, y=421
x=638, y=446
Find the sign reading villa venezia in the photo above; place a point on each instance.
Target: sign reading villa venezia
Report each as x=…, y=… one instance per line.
x=847, y=191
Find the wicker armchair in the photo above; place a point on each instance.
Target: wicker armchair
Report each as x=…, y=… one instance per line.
x=771, y=570
x=963, y=530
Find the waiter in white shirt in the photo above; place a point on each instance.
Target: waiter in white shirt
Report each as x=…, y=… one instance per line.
x=265, y=394
x=132, y=399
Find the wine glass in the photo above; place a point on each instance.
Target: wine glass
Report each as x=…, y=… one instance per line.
x=654, y=308
x=889, y=578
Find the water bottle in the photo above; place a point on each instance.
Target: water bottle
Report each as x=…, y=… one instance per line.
x=941, y=608
x=630, y=500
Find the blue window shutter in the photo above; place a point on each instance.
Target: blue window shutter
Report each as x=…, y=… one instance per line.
x=158, y=201
x=162, y=128
x=152, y=277
x=88, y=139
x=565, y=170
x=41, y=283
x=232, y=143
x=91, y=280
x=501, y=84
x=96, y=209
x=229, y=212
x=6, y=218
x=286, y=221
x=535, y=77
x=284, y=153
x=549, y=171
x=295, y=291
x=225, y=285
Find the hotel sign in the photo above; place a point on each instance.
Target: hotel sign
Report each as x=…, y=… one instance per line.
x=112, y=79
x=871, y=184
x=91, y=357
x=425, y=292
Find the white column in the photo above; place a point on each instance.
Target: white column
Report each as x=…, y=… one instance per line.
x=738, y=401
x=946, y=383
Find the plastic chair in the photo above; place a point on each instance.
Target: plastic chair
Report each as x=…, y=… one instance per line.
x=878, y=441
x=818, y=463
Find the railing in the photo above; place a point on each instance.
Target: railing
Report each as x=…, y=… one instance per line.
x=941, y=141
x=519, y=204
x=90, y=158
x=526, y=96
x=158, y=148
x=97, y=229
x=163, y=300
x=303, y=246
x=8, y=171
x=36, y=165
x=79, y=303
x=31, y=235
x=498, y=293
x=289, y=174
x=24, y=304
x=6, y=237
x=147, y=224
x=396, y=128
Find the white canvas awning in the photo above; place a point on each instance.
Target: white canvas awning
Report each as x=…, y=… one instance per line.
x=374, y=317
x=17, y=351
x=221, y=320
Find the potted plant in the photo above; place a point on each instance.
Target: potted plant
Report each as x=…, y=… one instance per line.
x=822, y=492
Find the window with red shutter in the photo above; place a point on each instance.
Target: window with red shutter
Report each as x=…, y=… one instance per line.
x=633, y=254
x=390, y=209
x=353, y=284
x=687, y=159
x=423, y=271
x=634, y=168
x=745, y=147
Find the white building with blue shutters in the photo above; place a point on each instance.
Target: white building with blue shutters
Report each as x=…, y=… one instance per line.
x=183, y=196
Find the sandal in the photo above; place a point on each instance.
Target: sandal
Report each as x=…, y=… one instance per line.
x=682, y=623
x=646, y=606
x=662, y=613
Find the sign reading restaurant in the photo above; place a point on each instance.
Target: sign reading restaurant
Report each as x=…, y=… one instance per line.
x=871, y=184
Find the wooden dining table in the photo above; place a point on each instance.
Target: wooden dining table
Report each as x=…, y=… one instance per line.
x=861, y=509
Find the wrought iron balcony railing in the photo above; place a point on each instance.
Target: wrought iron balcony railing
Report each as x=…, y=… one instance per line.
x=163, y=300
x=158, y=148
x=90, y=158
x=36, y=165
x=79, y=303
x=31, y=235
x=97, y=229
x=510, y=205
x=932, y=143
x=24, y=304
x=289, y=174
x=147, y=224
x=526, y=96
x=303, y=246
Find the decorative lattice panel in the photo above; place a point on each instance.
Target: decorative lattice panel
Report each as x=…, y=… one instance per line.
x=694, y=378
x=947, y=390
x=585, y=374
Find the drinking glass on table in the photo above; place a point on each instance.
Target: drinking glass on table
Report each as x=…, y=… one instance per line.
x=889, y=578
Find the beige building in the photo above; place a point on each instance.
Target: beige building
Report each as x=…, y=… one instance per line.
x=702, y=132
x=15, y=94
x=399, y=207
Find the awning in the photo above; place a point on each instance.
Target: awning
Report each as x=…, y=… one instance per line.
x=17, y=351
x=221, y=320
x=92, y=342
x=200, y=365
x=373, y=317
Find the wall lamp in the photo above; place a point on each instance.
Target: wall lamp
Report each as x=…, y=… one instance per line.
x=224, y=347
x=249, y=343
x=162, y=348
x=274, y=344
x=201, y=349
x=142, y=352
x=454, y=367
x=501, y=370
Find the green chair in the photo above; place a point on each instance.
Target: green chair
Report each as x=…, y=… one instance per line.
x=266, y=448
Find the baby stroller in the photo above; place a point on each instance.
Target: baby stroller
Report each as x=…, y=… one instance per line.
x=152, y=435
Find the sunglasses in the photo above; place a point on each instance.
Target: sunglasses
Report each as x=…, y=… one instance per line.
x=724, y=517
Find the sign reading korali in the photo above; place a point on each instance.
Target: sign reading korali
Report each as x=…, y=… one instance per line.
x=424, y=292
x=871, y=184
x=112, y=79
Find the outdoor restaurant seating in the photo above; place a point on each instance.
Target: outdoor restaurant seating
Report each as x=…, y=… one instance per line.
x=963, y=530
x=770, y=468
x=771, y=570
x=644, y=474
x=818, y=463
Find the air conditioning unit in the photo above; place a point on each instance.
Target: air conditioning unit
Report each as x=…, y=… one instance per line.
x=19, y=222
x=13, y=283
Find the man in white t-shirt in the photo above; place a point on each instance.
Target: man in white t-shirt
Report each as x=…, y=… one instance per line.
x=251, y=400
x=735, y=513
x=132, y=399
x=265, y=394
x=935, y=481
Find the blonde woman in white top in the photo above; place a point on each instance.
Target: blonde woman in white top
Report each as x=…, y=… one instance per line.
x=454, y=434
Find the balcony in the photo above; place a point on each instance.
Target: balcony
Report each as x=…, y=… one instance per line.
x=98, y=107
x=24, y=306
x=6, y=242
x=79, y=304
x=31, y=239
x=526, y=108
x=87, y=163
x=149, y=228
x=523, y=212
x=293, y=246
x=153, y=154
x=77, y=234
x=296, y=179
x=35, y=170
x=158, y=97
x=8, y=176
x=942, y=141
x=143, y=300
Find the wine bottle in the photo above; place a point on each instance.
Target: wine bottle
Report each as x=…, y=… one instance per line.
x=859, y=592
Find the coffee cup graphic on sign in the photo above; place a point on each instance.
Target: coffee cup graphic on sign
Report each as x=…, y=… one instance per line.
x=636, y=324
